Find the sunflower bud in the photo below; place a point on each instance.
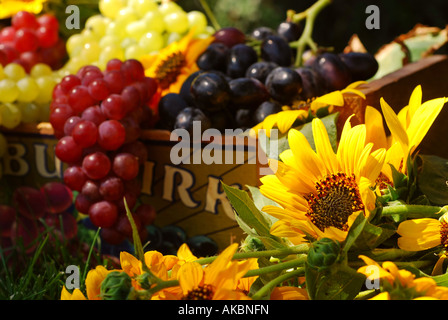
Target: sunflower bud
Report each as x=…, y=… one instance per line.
x=252, y=244
x=323, y=253
x=116, y=286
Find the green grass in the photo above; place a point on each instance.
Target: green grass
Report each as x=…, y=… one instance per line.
x=40, y=275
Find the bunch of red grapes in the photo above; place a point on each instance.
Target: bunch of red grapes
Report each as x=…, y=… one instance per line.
x=98, y=117
x=31, y=40
x=33, y=210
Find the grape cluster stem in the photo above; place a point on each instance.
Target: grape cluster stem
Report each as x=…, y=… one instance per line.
x=306, y=39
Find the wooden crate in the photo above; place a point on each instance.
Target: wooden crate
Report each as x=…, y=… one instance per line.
x=396, y=88
x=189, y=195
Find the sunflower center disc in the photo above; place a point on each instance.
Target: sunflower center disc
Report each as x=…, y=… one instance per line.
x=200, y=293
x=444, y=234
x=168, y=71
x=337, y=198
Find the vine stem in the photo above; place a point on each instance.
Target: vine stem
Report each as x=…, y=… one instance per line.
x=299, y=249
x=415, y=211
x=305, y=39
x=276, y=281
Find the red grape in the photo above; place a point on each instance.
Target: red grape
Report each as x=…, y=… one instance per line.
x=111, y=135
x=82, y=203
x=69, y=82
x=26, y=40
x=132, y=129
x=113, y=107
x=138, y=149
x=91, y=191
x=10, y=52
x=85, y=133
x=133, y=69
x=112, y=236
x=49, y=21
x=58, y=196
x=115, y=80
x=29, y=58
x=67, y=150
x=103, y=214
x=47, y=37
x=29, y=202
x=131, y=98
x=124, y=225
x=125, y=165
x=7, y=218
x=74, y=177
x=229, y=36
x=146, y=213
x=69, y=227
x=7, y=34
x=79, y=98
x=70, y=124
x=91, y=75
x=96, y=165
x=111, y=189
x=24, y=19
x=113, y=64
x=93, y=114
x=98, y=89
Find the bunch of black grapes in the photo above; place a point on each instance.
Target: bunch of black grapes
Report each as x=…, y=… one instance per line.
x=240, y=83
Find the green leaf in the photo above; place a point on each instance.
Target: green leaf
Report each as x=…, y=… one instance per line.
x=260, y=201
x=251, y=220
x=340, y=282
x=330, y=123
x=433, y=179
x=353, y=233
x=372, y=236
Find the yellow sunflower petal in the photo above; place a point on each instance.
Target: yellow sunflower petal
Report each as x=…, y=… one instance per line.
x=190, y=276
x=374, y=128
x=395, y=127
x=220, y=263
x=414, y=103
x=323, y=146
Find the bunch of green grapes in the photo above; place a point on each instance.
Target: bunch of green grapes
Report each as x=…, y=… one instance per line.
x=129, y=29
x=25, y=97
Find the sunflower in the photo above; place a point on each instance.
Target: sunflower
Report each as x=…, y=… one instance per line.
x=399, y=284
x=216, y=281
x=11, y=7
x=408, y=128
x=285, y=119
x=321, y=192
x=173, y=64
x=424, y=233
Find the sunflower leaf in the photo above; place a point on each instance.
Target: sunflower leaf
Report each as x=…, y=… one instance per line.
x=253, y=220
x=433, y=179
x=330, y=123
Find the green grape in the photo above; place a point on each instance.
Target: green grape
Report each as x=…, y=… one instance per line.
x=151, y=41
x=110, y=8
x=169, y=7
x=98, y=24
x=44, y=112
x=172, y=37
x=46, y=85
x=126, y=16
x=2, y=73
x=75, y=63
x=197, y=20
x=109, y=40
x=143, y=6
x=11, y=115
x=40, y=69
x=74, y=44
x=28, y=89
x=134, y=52
x=116, y=29
x=109, y=53
x=136, y=29
x=154, y=21
x=3, y=145
x=8, y=90
x=176, y=22
x=14, y=71
x=91, y=51
x=127, y=42
x=29, y=111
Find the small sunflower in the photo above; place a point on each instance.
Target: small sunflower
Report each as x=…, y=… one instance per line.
x=424, y=233
x=172, y=65
x=321, y=192
x=217, y=281
x=399, y=284
x=11, y=7
x=408, y=128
